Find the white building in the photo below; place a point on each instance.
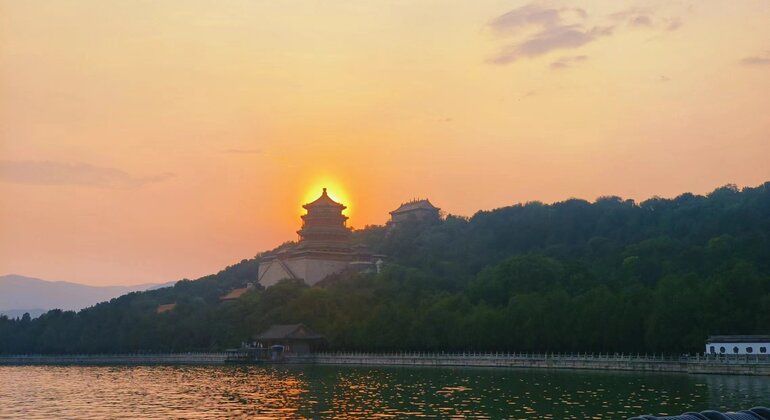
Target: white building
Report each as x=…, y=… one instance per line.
x=738, y=344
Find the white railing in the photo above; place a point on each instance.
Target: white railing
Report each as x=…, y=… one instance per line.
x=191, y=357
x=526, y=356
x=447, y=357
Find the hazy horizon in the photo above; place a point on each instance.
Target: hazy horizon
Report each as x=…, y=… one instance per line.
x=75, y=282
x=145, y=142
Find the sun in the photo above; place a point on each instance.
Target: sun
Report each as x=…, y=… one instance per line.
x=334, y=190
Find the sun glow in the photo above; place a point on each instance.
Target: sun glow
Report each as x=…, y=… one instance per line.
x=333, y=189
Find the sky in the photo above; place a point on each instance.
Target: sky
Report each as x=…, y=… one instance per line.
x=149, y=141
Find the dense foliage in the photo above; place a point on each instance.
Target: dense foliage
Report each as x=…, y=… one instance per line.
x=612, y=275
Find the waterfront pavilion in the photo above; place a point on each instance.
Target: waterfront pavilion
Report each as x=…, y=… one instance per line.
x=295, y=338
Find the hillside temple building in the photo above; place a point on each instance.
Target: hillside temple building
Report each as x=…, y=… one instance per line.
x=323, y=249
x=324, y=246
x=420, y=210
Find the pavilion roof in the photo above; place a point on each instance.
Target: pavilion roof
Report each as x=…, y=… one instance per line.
x=738, y=338
x=324, y=200
x=415, y=205
x=165, y=308
x=234, y=294
x=289, y=331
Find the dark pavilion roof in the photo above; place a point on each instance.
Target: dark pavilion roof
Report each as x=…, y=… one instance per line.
x=415, y=205
x=289, y=331
x=324, y=200
x=738, y=339
x=165, y=308
x=234, y=294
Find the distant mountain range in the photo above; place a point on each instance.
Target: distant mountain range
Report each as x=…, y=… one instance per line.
x=19, y=295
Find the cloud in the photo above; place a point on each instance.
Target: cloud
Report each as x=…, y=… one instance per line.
x=627, y=15
x=547, y=40
x=673, y=24
x=243, y=151
x=757, y=60
x=60, y=173
x=532, y=14
x=548, y=29
x=641, y=20
x=537, y=29
x=566, y=62
x=646, y=18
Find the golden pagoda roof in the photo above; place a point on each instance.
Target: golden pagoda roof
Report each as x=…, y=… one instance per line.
x=324, y=200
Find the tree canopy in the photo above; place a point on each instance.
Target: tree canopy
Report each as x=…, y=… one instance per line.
x=610, y=275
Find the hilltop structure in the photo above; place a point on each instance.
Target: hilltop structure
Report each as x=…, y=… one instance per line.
x=236, y=294
x=324, y=248
x=168, y=307
x=415, y=210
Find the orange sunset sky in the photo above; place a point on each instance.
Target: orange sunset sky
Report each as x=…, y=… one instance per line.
x=147, y=141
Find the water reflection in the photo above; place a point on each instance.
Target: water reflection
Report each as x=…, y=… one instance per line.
x=340, y=392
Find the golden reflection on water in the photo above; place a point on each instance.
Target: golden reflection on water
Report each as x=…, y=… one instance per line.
x=355, y=392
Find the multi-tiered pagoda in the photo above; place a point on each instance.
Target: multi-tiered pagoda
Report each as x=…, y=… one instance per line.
x=323, y=249
x=323, y=227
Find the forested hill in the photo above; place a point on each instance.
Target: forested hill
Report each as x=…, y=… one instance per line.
x=612, y=275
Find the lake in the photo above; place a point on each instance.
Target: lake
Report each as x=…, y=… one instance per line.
x=329, y=391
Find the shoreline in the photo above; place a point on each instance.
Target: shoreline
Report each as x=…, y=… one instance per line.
x=116, y=359
x=698, y=364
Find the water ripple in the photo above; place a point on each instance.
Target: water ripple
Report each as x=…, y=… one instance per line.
x=353, y=392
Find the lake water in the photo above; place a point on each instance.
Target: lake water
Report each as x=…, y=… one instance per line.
x=327, y=391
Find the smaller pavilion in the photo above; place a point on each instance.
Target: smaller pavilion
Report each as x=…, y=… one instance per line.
x=420, y=210
x=295, y=338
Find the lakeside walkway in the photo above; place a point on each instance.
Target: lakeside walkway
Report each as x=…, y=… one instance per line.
x=697, y=364
x=117, y=359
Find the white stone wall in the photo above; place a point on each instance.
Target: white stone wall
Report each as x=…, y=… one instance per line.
x=271, y=273
x=310, y=270
x=317, y=270
x=743, y=348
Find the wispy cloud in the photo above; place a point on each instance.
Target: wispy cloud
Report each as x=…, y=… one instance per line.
x=646, y=18
x=61, y=173
x=567, y=62
x=554, y=29
x=673, y=23
x=757, y=60
x=641, y=20
x=243, y=151
x=537, y=29
x=531, y=14
x=550, y=39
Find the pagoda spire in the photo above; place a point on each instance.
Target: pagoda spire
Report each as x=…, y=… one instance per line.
x=324, y=201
